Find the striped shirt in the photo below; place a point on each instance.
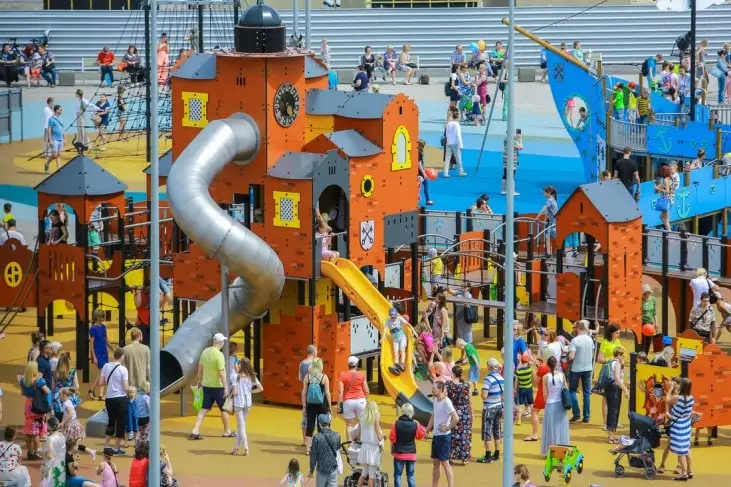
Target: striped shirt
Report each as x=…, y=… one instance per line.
x=517, y=146
x=457, y=58
x=493, y=385
x=525, y=377
x=243, y=385
x=643, y=106
x=680, y=428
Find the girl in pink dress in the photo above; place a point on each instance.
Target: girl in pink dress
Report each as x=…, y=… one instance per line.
x=481, y=84
x=163, y=61
x=323, y=234
x=108, y=470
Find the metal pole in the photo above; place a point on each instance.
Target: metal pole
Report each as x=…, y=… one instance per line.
x=154, y=471
x=148, y=78
x=295, y=17
x=509, y=371
x=308, y=14
x=692, y=58
x=489, y=118
x=224, y=312
x=237, y=6
x=200, y=27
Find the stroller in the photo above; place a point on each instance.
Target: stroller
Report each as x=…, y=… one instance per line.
x=640, y=452
x=351, y=450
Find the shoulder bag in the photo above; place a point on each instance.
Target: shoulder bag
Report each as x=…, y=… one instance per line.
x=39, y=404
x=712, y=296
x=565, y=395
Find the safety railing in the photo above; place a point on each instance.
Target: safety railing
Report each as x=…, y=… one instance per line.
x=628, y=134
x=670, y=119
x=720, y=114
x=420, y=4
x=670, y=251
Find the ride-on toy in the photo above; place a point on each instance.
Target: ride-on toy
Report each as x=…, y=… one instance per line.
x=564, y=458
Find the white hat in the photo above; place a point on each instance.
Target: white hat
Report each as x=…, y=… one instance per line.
x=646, y=288
x=352, y=360
x=218, y=338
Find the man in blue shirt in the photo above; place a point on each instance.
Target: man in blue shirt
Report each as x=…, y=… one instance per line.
x=519, y=345
x=55, y=127
x=360, y=83
x=458, y=57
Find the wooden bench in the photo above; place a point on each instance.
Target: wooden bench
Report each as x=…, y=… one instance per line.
x=414, y=59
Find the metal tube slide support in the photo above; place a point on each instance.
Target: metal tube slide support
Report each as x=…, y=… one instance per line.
x=261, y=274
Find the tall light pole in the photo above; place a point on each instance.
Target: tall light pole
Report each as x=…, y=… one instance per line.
x=154, y=471
x=509, y=368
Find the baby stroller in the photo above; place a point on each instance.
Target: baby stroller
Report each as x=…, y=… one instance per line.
x=351, y=450
x=640, y=450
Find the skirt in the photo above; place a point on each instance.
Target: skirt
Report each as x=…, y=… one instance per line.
x=34, y=424
x=369, y=455
x=73, y=430
x=555, y=427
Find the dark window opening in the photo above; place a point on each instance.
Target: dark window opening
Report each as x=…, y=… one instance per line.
x=256, y=199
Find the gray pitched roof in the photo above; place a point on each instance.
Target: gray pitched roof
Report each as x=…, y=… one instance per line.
x=349, y=104
x=166, y=163
x=313, y=69
x=197, y=66
x=81, y=177
x=353, y=144
x=612, y=200
x=296, y=165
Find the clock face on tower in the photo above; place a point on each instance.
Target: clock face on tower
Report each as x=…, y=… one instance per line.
x=286, y=104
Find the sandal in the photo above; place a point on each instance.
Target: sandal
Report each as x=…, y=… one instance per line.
x=229, y=435
x=93, y=396
x=681, y=478
x=195, y=437
x=530, y=438
x=235, y=451
x=660, y=470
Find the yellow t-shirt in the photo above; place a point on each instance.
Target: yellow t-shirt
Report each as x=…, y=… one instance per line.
x=8, y=216
x=213, y=363
x=437, y=268
x=607, y=348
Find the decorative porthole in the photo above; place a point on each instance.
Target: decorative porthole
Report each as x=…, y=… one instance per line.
x=367, y=186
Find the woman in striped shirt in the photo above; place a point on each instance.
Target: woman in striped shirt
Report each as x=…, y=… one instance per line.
x=681, y=402
x=244, y=383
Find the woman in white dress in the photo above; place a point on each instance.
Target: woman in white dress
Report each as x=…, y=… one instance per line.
x=555, y=417
x=82, y=106
x=370, y=435
x=53, y=470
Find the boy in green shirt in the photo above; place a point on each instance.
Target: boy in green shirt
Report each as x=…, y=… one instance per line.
x=618, y=101
x=470, y=355
x=8, y=209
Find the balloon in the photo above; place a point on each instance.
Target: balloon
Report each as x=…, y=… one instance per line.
x=648, y=330
x=474, y=46
x=481, y=45
x=431, y=173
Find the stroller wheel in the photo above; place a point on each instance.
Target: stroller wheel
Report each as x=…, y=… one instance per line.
x=618, y=470
x=384, y=479
x=650, y=474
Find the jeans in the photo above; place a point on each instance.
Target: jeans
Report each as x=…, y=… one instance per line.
x=49, y=75
x=585, y=378
x=642, y=119
x=398, y=470
x=721, y=88
x=107, y=71
x=327, y=479
x=425, y=185
x=242, y=440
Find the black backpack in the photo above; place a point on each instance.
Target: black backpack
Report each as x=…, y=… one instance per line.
x=448, y=88
x=470, y=314
x=645, y=69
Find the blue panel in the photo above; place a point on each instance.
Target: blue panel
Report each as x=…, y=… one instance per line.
x=681, y=141
x=654, y=247
x=440, y=223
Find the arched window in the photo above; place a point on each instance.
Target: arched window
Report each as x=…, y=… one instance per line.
x=401, y=150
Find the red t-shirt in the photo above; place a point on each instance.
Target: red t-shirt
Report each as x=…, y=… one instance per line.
x=138, y=473
x=105, y=57
x=352, y=384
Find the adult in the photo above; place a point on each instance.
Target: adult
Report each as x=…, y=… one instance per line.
x=702, y=319
x=137, y=360
x=539, y=404
x=352, y=393
x=405, y=64
x=517, y=147
x=323, y=457
x=581, y=355
x=53, y=469
x=700, y=284
x=664, y=188
x=212, y=378
x=606, y=353
x=519, y=344
x=35, y=339
x=105, y=60
x=142, y=303
x=115, y=377
x=403, y=438
x=304, y=370
x=720, y=72
x=370, y=435
x=555, y=418
x=64, y=377
x=101, y=120
x=55, y=127
x=613, y=393
x=457, y=56
x=11, y=232
x=442, y=423
x=12, y=469
x=48, y=66
x=368, y=61
x=390, y=60
x=496, y=57
x=30, y=382
x=626, y=171
x=453, y=142
x=73, y=479
x=649, y=317
x=44, y=362
x=315, y=398
x=132, y=64
x=681, y=403
x=552, y=347
x=492, y=411
x=481, y=87
x=454, y=83
x=163, y=60
x=458, y=391
x=360, y=82
x=440, y=322
x=8, y=66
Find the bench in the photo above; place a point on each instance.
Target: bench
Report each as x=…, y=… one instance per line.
x=89, y=65
x=382, y=71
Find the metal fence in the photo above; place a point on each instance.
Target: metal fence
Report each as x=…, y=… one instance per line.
x=622, y=34
x=628, y=134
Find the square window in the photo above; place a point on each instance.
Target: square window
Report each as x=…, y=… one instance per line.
x=195, y=109
x=286, y=209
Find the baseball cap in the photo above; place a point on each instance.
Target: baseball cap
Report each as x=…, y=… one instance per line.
x=218, y=338
x=666, y=340
x=323, y=419
x=353, y=360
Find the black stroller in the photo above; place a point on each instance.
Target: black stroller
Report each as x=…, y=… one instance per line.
x=641, y=453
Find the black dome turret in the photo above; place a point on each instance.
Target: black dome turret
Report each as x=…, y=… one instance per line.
x=260, y=30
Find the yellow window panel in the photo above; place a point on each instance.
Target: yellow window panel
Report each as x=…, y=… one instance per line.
x=286, y=209
x=401, y=150
x=195, y=109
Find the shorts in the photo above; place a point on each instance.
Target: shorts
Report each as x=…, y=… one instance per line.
x=164, y=288
x=56, y=146
x=544, y=64
x=474, y=374
x=441, y=448
x=212, y=395
x=525, y=396
x=403, y=67
x=399, y=343
x=492, y=424
x=353, y=408
x=505, y=172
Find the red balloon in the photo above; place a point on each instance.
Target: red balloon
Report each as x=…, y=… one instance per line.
x=648, y=330
x=431, y=173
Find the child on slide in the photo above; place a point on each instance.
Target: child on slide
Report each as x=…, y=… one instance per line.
x=395, y=324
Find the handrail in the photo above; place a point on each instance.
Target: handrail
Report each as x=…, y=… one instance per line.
x=596, y=303
x=548, y=46
x=537, y=236
x=98, y=259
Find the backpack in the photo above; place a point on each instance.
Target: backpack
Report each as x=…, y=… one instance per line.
x=424, y=79
x=645, y=69
x=315, y=395
x=470, y=314
x=605, y=376
x=448, y=88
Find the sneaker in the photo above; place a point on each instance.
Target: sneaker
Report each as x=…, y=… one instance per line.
x=446, y=175
x=463, y=174
x=515, y=193
x=429, y=203
x=485, y=459
x=585, y=420
x=475, y=393
x=575, y=419
x=503, y=192
x=130, y=436
x=604, y=428
x=496, y=456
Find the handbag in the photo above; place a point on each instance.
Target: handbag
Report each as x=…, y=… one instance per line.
x=39, y=404
x=717, y=72
x=338, y=458
x=662, y=205
x=712, y=296
x=565, y=397
x=228, y=404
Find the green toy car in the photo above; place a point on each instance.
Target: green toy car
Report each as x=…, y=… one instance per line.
x=565, y=459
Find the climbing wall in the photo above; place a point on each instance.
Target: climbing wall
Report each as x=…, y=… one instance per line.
x=710, y=373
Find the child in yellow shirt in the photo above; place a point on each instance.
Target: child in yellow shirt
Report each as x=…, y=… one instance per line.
x=436, y=267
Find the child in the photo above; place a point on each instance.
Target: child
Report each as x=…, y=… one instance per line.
x=323, y=233
x=395, y=324
x=442, y=370
x=108, y=470
x=132, y=419
x=36, y=63
x=522, y=476
x=379, y=67
x=293, y=477
x=618, y=101
x=476, y=110
x=233, y=360
x=56, y=349
x=98, y=347
x=469, y=355
x=549, y=211
x=70, y=426
x=524, y=385
x=583, y=119
x=243, y=384
x=142, y=405
x=643, y=107
x=436, y=266
x=424, y=347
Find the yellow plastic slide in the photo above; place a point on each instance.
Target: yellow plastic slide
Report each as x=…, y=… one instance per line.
x=403, y=387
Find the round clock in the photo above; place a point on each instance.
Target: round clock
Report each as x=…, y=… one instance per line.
x=286, y=104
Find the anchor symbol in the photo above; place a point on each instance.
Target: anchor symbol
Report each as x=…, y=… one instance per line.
x=683, y=208
x=558, y=72
x=712, y=189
